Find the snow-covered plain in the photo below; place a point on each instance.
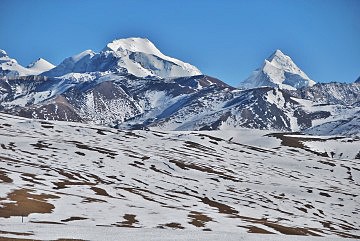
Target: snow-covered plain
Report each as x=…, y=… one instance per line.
x=72, y=180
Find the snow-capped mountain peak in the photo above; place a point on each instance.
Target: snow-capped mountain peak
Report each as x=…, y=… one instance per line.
x=284, y=62
x=143, y=47
x=278, y=70
x=133, y=45
x=136, y=56
x=40, y=65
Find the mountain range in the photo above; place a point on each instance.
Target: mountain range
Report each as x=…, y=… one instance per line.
x=130, y=141
x=130, y=84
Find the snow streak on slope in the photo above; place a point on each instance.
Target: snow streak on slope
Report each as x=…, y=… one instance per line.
x=69, y=175
x=278, y=70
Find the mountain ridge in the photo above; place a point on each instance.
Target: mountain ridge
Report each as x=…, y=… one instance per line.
x=101, y=88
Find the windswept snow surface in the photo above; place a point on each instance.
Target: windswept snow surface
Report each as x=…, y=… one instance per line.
x=76, y=181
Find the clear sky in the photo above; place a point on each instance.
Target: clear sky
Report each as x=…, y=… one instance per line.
x=223, y=38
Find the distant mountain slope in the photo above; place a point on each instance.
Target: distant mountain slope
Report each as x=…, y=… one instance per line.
x=331, y=93
x=345, y=126
x=278, y=70
x=186, y=103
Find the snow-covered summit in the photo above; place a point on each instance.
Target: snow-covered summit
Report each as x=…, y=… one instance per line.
x=40, y=65
x=278, y=70
x=281, y=61
x=136, y=56
x=134, y=45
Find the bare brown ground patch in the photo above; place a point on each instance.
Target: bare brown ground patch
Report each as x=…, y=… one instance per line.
x=25, y=203
x=16, y=233
x=16, y=239
x=4, y=178
x=100, y=191
x=291, y=230
x=69, y=239
x=346, y=235
x=73, y=219
x=305, y=231
x=298, y=142
x=92, y=200
x=107, y=152
x=171, y=225
x=223, y=208
x=130, y=220
x=199, y=219
x=45, y=222
x=254, y=229
x=207, y=169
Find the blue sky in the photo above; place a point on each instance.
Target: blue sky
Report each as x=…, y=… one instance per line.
x=225, y=39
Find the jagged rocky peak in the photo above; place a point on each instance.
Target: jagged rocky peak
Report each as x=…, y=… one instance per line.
x=358, y=80
x=278, y=70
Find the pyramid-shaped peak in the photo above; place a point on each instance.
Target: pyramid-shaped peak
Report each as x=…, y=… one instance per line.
x=278, y=70
x=278, y=55
x=282, y=61
x=278, y=52
x=40, y=65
